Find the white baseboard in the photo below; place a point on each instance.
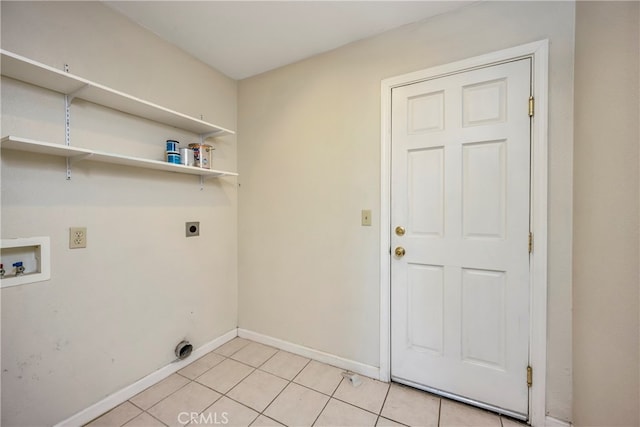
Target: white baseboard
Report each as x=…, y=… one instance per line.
x=554, y=422
x=128, y=392
x=320, y=356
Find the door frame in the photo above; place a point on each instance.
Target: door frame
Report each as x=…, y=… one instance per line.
x=539, y=53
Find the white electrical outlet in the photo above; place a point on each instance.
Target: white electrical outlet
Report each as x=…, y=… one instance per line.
x=77, y=237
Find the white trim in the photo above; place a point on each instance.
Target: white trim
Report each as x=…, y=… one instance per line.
x=310, y=353
x=554, y=422
x=539, y=51
x=539, y=198
x=385, y=233
x=129, y=391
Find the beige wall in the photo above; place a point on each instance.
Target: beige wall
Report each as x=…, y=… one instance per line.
x=309, y=161
x=605, y=290
x=111, y=313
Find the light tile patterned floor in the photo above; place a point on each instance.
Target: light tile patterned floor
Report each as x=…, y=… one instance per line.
x=244, y=383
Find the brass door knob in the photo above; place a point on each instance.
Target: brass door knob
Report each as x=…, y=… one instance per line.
x=400, y=251
x=400, y=230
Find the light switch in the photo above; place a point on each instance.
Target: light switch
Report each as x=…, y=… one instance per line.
x=366, y=217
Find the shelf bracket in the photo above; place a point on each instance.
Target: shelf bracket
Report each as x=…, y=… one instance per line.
x=75, y=93
x=68, y=169
x=74, y=159
x=205, y=136
x=218, y=175
x=203, y=178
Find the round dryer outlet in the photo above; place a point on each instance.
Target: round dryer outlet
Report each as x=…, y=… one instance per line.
x=192, y=229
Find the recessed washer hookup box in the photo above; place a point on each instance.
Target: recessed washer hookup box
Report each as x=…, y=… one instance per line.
x=25, y=260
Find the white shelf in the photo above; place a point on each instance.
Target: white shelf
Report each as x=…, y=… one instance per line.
x=35, y=73
x=78, y=154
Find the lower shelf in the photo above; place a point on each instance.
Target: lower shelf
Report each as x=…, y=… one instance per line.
x=78, y=154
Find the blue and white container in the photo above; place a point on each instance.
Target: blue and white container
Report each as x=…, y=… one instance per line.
x=172, y=145
x=173, y=157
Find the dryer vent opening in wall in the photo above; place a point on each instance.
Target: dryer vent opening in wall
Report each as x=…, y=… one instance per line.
x=183, y=350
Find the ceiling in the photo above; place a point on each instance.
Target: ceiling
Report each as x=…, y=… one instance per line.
x=245, y=38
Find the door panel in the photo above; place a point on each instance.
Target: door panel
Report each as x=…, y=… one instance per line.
x=424, y=301
x=484, y=103
x=483, y=318
x=484, y=190
x=460, y=187
x=425, y=113
x=426, y=191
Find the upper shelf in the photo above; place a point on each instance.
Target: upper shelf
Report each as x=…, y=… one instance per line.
x=75, y=153
x=35, y=73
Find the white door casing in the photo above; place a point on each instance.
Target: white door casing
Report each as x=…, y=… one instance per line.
x=483, y=277
x=460, y=189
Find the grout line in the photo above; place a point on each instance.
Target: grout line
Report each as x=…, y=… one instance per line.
x=229, y=356
x=239, y=403
x=151, y=415
x=312, y=389
x=290, y=381
x=356, y=406
x=283, y=378
x=327, y=402
x=214, y=390
x=336, y=389
x=359, y=407
x=166, y=397
x=384, y=402
x=144, y=410
x=111, y=410
x=273, y=400
x=256, y=369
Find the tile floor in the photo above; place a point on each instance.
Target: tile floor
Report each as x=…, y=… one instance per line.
x=244, y=383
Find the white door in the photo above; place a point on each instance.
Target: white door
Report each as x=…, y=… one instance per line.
x=460, y=191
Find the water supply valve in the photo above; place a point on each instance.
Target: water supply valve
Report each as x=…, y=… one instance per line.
x=19, y=268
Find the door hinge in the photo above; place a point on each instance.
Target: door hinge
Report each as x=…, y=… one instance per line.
x=531, y=106
x=530, y=242
x=529, y=376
